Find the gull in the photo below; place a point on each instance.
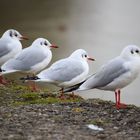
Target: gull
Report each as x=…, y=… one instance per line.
x=114, y=75
x=66, y=72
x=9, y=46
x=30, y=60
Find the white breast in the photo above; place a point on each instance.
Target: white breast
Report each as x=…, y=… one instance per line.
x=42, y=65
x=15, y=49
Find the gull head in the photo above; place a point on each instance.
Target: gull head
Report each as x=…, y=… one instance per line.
x=131, y=52
x=82, y=54
x=44, y=43
x=13, y=34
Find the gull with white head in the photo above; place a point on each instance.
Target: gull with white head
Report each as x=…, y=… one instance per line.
x=66, y=72
x=10, y=46
x=30, y=60
x=115, y=75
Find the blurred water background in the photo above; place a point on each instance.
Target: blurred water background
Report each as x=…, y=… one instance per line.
x=102, y=27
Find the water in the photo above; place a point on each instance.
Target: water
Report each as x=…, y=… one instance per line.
x=102, y=28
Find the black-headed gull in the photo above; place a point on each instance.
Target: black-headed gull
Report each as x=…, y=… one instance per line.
x=67, y=72
x=10, y=46
x=115, y=75
x=30, y=60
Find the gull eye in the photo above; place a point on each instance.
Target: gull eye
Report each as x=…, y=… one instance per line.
x=16, y=34
x=137, y=51
x=45, y=43
x=84, y=55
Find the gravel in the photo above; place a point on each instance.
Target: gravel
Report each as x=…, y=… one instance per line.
x=64, y=120
x=68, y=121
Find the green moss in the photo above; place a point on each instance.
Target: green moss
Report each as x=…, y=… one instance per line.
x=35, y=99
x=14, y=88
x=18, y=87
x=99, y=122
x=29, y=96
x=22, y=95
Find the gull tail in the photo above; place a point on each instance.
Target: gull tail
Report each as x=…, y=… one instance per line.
x=1, y=70
x=73, y=88
x=29, y=78
x=76, y=87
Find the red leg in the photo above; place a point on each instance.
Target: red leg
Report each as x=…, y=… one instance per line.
x=119, y=105
x=62, y=97
x=73, y=96
x=33, y=86
x=2, y=81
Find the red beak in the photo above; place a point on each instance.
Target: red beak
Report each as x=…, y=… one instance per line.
x=54, y=46
x=24, y=38
x=92, y=59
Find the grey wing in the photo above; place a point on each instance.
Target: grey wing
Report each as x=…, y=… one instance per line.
x=64, y=70
x=106, y=74
x=25, y=60
x=4, y=49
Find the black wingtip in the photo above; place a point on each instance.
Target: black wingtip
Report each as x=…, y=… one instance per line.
x=29, y=78
x=1, y=70
x=73, y=88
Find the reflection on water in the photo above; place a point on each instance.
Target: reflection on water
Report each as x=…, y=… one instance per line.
x=102, y=28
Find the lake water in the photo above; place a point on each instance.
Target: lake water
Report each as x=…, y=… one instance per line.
x=102, y=27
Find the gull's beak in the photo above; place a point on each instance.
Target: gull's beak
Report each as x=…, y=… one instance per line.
x=89, y=58
x=54, y=46
x=23, y=38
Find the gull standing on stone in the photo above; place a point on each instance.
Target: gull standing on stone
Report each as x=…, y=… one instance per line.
x=114, y=75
